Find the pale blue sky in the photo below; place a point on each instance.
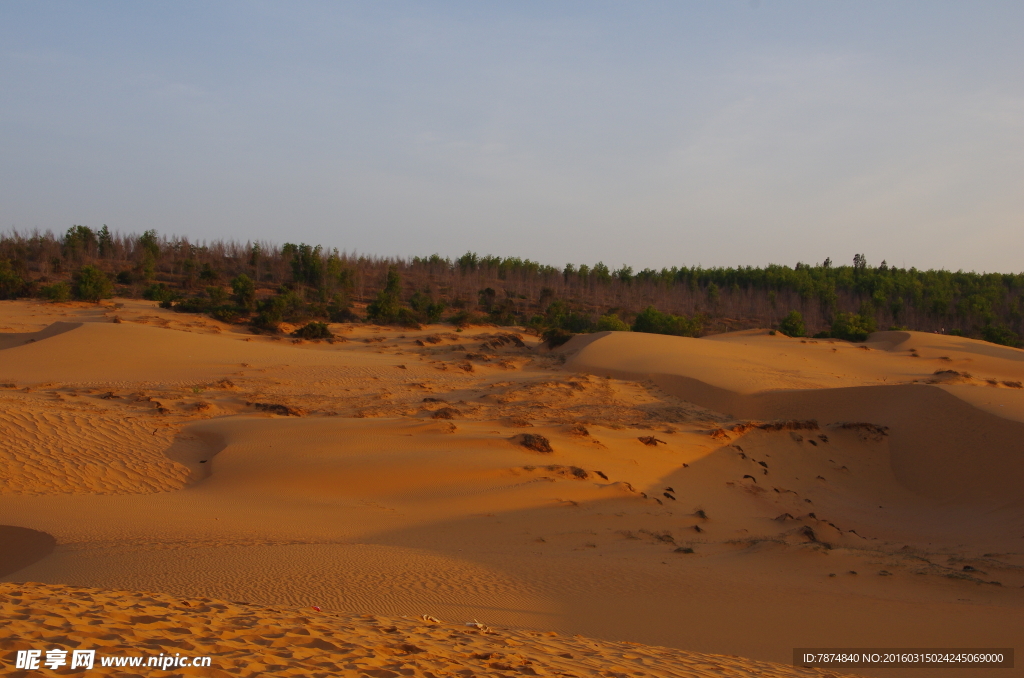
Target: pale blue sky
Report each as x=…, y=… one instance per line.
x=652, y=134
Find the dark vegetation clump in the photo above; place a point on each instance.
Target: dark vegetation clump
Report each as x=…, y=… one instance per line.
x=655, y=322
x=265, y=285
x=556, y=336
x=90, y=283
x=853, y=326
x=793, y=325
x=314, y=330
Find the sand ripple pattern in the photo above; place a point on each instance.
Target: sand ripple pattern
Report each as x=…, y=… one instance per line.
x=67, y=452
x=250, y=640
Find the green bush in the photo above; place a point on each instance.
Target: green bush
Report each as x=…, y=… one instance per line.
x=59, y=291
x=89, y=283
x=852, y=326
x=159, y=292
x=218, y=295
x=225, y=314
x=314, y=330
x=384, y=309
x=426, y=309
x=1000, y=334
x=556, y=336
x=12, y=285
x=611, y=322
x=193, y=305
x=464, y=318
x=243, y=292
x=793, y=325
x=339, y=310
x=559, y=314
x=653, y=321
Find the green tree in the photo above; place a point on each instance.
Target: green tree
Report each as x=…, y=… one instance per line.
x=149, y=242
x=106, y=242
x=89, y=283
x=307, y=263
x=387, y=306
x=244, y=292
x=793, y=325
x=78, y=241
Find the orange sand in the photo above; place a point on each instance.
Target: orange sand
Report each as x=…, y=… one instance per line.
x=137, y=447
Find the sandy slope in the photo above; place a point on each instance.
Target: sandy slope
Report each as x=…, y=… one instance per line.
x=894, y=519
x=250, y=640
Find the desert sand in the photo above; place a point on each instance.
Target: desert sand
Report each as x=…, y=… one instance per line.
x=729, y=497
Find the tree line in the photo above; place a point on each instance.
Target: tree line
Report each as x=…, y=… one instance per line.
x=266, y=284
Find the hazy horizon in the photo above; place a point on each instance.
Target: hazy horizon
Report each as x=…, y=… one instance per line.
x=650, y=135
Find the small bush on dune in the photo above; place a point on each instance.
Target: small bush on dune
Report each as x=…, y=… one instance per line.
x=159, y=292
x=556, y=336
x=465, y=318
x=610, y=322
x=852, y=326
x=89, y=283
x=999, y=334
x=793, y=325
x=314, y=330
x=60, y=291
x=653, y=321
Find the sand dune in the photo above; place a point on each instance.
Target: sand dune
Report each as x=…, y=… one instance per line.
x=743, y=494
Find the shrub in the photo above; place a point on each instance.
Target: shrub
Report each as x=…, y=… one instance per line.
x=427, y=310
x=193, y=305
x=314, y=330
x=611, y=322
x=1000, y=334
x=339, y=310
x=89, y=283
x=159, y=292
x=218, y=295
x=852, y=326
x=60, y=291
x=225, y=314
x=556, y=336
x=244, y=292
x=653, y=321
x=384, y=309
x=12, y=285
x=793, y=325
